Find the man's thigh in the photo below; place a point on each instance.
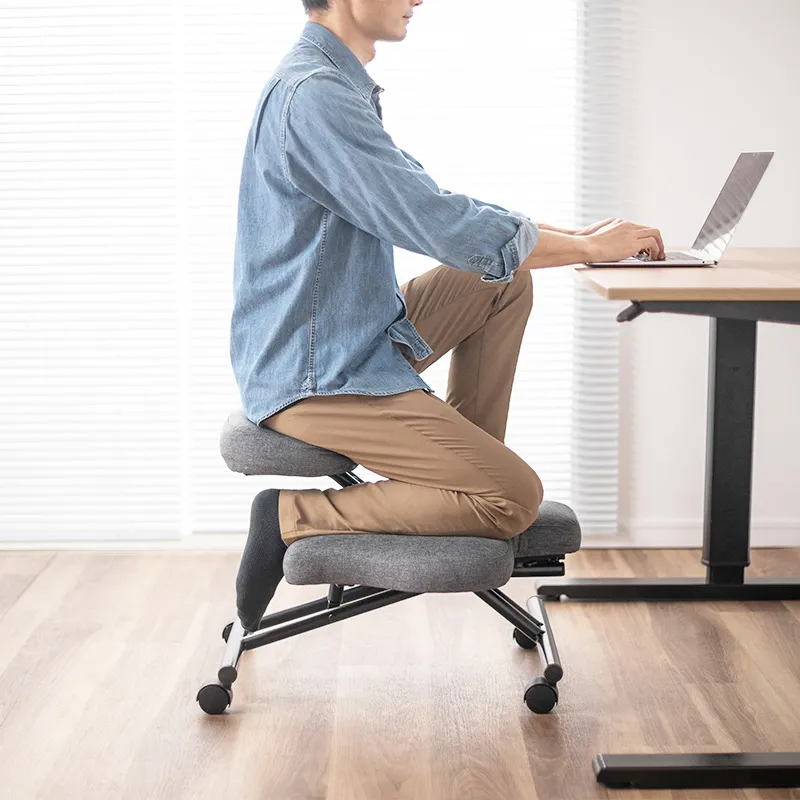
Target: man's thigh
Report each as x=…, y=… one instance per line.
x=447, y=305
x=414, y=437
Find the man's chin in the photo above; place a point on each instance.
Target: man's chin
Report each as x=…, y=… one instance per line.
x=395, y=36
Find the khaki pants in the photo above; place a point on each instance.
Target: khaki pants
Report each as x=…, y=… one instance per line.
x=448, y=469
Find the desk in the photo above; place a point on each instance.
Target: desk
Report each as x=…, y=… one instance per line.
x=749, y=285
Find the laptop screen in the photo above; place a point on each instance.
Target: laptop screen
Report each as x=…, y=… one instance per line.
x=723, y=218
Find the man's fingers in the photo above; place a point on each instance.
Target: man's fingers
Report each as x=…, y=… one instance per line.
x=651, y=245
x=655, y=235
x=660, y=241
x=660, y=244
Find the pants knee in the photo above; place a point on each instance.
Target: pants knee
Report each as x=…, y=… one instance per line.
x=517, y=509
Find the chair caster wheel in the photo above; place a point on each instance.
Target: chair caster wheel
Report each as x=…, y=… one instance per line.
x=226, y=631
x=541, y=696
x=523, y=640
x=214, y=698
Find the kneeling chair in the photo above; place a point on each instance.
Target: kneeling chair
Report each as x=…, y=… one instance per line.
x=382, y=568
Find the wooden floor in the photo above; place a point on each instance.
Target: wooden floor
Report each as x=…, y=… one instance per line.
x=102, y=654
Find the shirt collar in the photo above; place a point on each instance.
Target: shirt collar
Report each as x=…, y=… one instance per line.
x=341, y=55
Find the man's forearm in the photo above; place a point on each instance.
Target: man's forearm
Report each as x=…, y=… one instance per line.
x=557, y=250
x=545, y=227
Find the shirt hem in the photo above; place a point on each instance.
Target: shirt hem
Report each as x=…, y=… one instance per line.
x=303, y=395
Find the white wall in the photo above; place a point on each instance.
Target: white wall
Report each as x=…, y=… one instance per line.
x=715, y=77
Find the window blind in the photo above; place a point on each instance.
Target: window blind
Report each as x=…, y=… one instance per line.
x=123, y=126
x=606, y=67
x=89, y=413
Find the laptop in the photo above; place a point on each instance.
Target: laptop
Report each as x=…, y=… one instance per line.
x=717, y=230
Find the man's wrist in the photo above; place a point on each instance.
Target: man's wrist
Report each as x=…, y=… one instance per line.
x=586, y=248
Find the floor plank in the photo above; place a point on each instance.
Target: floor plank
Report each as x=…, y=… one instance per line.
x=101, y=656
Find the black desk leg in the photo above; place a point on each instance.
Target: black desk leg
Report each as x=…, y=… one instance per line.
x=729, y=449
x=729, y=460
x=698, y=771
x=726, y=553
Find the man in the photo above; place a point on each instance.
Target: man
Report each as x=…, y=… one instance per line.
x=327, y=348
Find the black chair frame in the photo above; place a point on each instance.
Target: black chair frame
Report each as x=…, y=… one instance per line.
x=531, y=627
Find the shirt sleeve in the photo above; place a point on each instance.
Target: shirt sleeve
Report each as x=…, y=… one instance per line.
x=335, y=150
x=529, y=230
x=474, y=200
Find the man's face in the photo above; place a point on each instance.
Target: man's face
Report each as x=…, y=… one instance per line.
x=383, y=20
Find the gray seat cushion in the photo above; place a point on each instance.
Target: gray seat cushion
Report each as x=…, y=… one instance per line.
x=429, y=563
x=399, y=561
x=253, y=450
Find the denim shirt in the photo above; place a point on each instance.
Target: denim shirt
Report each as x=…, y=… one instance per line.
x=325, y=195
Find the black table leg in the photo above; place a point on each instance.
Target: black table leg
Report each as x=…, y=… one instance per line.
x=729, y=449
x=729, y=459
x=726, y=554
x=698, y=771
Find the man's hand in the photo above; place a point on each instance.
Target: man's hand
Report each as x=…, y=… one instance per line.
x=597, y=231
x=609, y=240
x=615, y=239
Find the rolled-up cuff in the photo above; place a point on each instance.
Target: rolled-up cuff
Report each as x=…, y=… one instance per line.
x=513, y=253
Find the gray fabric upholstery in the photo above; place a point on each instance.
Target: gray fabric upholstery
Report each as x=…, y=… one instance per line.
x=399, y=561
x=429, y=563
x=253, y=450
x=391, y=561
x=555, y=532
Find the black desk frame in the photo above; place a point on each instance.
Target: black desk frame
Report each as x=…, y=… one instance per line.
x=726, y=542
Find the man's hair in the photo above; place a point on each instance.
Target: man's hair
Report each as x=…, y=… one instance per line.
x=315, y=5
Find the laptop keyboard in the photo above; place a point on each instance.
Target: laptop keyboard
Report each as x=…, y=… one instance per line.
x=668, y=257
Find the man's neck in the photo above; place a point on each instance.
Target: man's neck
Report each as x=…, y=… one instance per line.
x=345, y=28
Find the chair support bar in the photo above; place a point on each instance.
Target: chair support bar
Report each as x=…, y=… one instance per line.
x=549, y=650
x=305, y=609
x=326, y=616
x=359, y=600
x=514, y=613
x=346, y=478
x=228, y=671
x=538, y=567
